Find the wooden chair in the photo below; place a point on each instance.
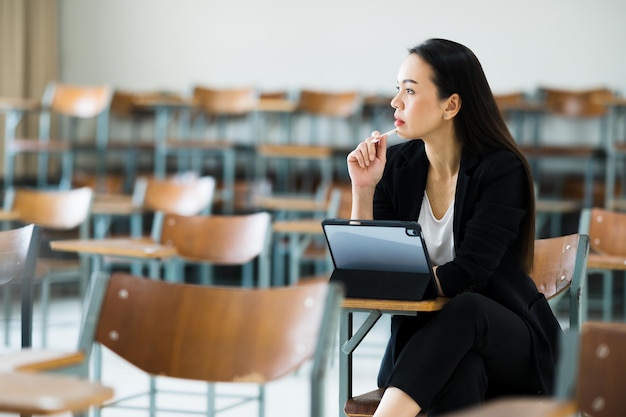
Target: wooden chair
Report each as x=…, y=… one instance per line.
x=57, y=213
x=559, y=272
x=73, y=103
x=214, y=142
x=590, y=381
x=606, y=230
x=558, y=269
x=615, y=179
x=572, y=105
x=322, y=123
x=523, y=115
x=19, y=249
x=128, y=138
x=185, y=195
x=248, y=335
x=227, y=240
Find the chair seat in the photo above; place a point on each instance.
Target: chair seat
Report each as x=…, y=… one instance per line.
x=527, y=407
x=598, y=261
x=34, y=145
x=364, y=405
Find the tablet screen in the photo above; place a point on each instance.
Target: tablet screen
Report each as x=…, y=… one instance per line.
x=378, y=246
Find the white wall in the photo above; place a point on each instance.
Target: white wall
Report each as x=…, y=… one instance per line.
x=336, y=44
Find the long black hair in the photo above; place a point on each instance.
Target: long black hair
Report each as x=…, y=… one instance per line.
x=479, y=125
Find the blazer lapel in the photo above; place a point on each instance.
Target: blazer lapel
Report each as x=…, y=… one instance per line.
x=468, y=163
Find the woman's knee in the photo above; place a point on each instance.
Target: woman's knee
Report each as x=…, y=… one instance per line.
x=469, y=305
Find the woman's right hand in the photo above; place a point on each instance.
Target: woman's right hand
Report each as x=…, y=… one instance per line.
x=367, y=161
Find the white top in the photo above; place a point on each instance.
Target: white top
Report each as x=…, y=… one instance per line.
x=438, y=233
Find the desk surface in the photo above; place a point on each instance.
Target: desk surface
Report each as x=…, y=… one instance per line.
x=33, y=360
x=131, y=248
x=42, y=394
x=306, y=226
x=114, y=204
x=390, y=306
x=286, y=203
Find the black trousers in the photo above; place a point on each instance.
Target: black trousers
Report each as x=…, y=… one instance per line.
x=471, y=350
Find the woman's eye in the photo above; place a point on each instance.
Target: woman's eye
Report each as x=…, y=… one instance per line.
x=409, y=91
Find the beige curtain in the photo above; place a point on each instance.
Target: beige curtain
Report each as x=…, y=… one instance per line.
x=28, y=51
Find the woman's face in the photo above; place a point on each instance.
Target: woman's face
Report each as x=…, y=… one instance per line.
x=419, y=111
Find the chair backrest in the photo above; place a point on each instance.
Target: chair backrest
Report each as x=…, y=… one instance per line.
x=606, y=231
x=560, y=267
x=78, y=101
x=218, y=239
x=601, y=377
x=576, y=103
x=226, y=334
x=226, y=102
x=333, y=104
x=177, y=195
x=18, y=255
x=51, y=209
x=591, y=369
x=558, y=261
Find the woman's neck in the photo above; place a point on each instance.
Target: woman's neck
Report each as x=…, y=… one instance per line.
x=444, y=158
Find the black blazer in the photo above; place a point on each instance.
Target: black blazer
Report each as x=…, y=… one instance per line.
x=490, y=204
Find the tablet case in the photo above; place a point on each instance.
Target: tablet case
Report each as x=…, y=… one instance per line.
x=380, y=259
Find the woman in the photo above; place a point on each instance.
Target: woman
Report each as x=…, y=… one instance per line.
x=461, y=175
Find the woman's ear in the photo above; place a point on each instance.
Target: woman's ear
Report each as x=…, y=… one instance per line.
x=453, y=106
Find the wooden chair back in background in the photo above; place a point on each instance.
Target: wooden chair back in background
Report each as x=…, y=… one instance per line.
x=73, y=102
x=606, y=229
x=55, y=212
x=222, y=240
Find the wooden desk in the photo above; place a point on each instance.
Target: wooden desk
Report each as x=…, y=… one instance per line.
x=23, y=390
x=38, y=360
x=41, y=394
x=106, y=206
x=127, y=248
x=292, y=204
x=349, y=340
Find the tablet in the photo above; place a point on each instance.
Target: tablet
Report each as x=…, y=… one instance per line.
x=380, y=259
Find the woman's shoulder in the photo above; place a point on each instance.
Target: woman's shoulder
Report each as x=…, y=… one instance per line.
x=499, y=160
